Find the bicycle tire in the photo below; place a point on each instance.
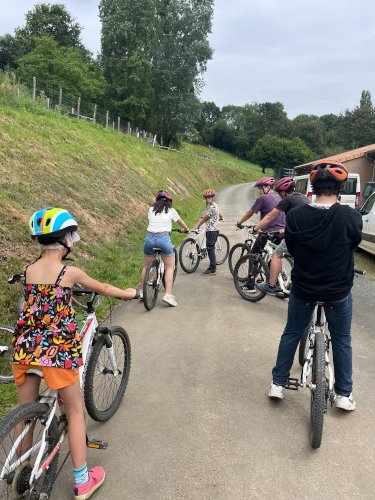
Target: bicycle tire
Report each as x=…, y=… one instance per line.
x=151, y=285
x=222, y=247
x=189, y=256
x=102, y=392
x=6, y=374
x=175, y=266
x=304, y=345
x=236, y=252
x=257, y=272
x=319, y=394
x=18, y=481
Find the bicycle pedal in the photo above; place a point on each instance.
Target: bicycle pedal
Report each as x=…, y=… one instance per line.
x=292, y=384
x=97, y=444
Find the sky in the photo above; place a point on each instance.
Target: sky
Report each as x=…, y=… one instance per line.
x=314, y=56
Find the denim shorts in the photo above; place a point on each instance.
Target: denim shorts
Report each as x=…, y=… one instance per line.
x=162, y=241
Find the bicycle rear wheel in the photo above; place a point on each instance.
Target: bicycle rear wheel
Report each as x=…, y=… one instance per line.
x=151, y=285
x=236, y=252
x=103, y=391
x=319, y=393
x=250, y=270
x=189, y=257
x=6, y=334
x=221, y=249
x=16, y=480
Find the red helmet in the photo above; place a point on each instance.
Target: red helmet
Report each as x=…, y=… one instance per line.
x=163, y=195
x=265, y=181
x=284, y=184
x=208, y=193
x=326, y=170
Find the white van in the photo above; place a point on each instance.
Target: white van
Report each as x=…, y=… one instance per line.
x=368, y=230
x=350, y=192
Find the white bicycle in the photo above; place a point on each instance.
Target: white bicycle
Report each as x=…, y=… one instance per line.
x=31, y=435
x=193, y=250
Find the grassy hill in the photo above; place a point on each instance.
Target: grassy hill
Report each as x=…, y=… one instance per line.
x=105, y=178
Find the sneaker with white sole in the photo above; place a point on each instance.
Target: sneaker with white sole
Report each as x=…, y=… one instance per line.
x=345, y=402
x=140, y=294
x=276, y=391
x=170, y=300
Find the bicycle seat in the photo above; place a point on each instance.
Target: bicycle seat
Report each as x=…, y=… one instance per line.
x=35, y=371
x=156, y=249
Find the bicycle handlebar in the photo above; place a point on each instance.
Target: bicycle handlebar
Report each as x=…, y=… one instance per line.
x=15, y=278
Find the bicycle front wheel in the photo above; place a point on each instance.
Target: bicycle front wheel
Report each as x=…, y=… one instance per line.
x=151, y=285
x=189, y=257
x=221, y=249
x=249, y=271
x=103, y=390
x=15, y=484
x=6, y=335
x=236, y=252
x=318, y=392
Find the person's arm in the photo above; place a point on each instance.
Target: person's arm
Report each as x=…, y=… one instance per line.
x=267, y=219
x=182, y=224
x=221, y=216
x=245, y=216
x=79, y=276
x=201, y=221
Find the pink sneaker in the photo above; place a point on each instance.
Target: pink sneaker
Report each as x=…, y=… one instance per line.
x=96, y=478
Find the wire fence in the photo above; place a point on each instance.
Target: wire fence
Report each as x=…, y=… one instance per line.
x=61, y=101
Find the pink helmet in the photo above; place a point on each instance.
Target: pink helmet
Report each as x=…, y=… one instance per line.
x=265, y=181
x=284, y=184
x=163, y=195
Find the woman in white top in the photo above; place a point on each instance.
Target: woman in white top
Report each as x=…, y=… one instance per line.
x=160, y=217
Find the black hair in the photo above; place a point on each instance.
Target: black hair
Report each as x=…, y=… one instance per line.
x=326, y=188
x=162, y=205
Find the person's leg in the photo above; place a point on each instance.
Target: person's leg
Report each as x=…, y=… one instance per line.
x=73, y=406
x=339, y=318
x=168, y=273
x=148, y=253
x=211, y=238
x=299, y=314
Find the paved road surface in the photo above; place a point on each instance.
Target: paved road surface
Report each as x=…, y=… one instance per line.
x=196, y=422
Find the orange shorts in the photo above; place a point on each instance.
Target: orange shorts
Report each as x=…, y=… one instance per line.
x=55, y=378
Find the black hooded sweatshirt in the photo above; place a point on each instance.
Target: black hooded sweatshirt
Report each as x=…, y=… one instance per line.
x=322, y=242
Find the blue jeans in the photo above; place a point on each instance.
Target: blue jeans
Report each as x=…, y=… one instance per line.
x=162, y=241
x=211, y=238
x=339, y=317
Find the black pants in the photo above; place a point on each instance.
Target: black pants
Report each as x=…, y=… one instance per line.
x=211, y=237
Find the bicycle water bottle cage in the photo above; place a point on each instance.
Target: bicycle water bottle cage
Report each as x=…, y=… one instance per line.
x=292, y=384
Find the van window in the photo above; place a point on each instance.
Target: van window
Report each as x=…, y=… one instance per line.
x=366, y=209
x=349, y=186
x=369, y=188
x=301, y=186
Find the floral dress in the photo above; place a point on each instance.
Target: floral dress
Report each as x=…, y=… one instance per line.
x=47, y=332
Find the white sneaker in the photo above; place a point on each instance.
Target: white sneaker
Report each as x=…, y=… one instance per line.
x=276, y=391
x=345, y=402
x=170, y=299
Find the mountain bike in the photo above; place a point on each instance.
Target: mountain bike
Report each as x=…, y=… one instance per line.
x=31, y=435
x=154, y=276
x=254, y=268
x=240, y=249
x=193, y=250
x=317, y=371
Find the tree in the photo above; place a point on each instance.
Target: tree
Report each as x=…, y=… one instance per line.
x=10, y=51
x=56, y=67
x=128, y=36
x=280, y=154
x=310, y=129
x=179, y=57
x=357, y=126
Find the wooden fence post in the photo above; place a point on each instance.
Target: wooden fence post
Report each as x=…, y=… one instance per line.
x=136, y=132
x=106, y=119
x=128, y=129
x=34, y=88
x=113, y=125
x=94, y=117
x=60, y=99
x=154, y=141
x=78, y=107
x=47, y=102
x=118, y=124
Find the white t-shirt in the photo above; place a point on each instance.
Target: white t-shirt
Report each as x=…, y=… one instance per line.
x=160, y=223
